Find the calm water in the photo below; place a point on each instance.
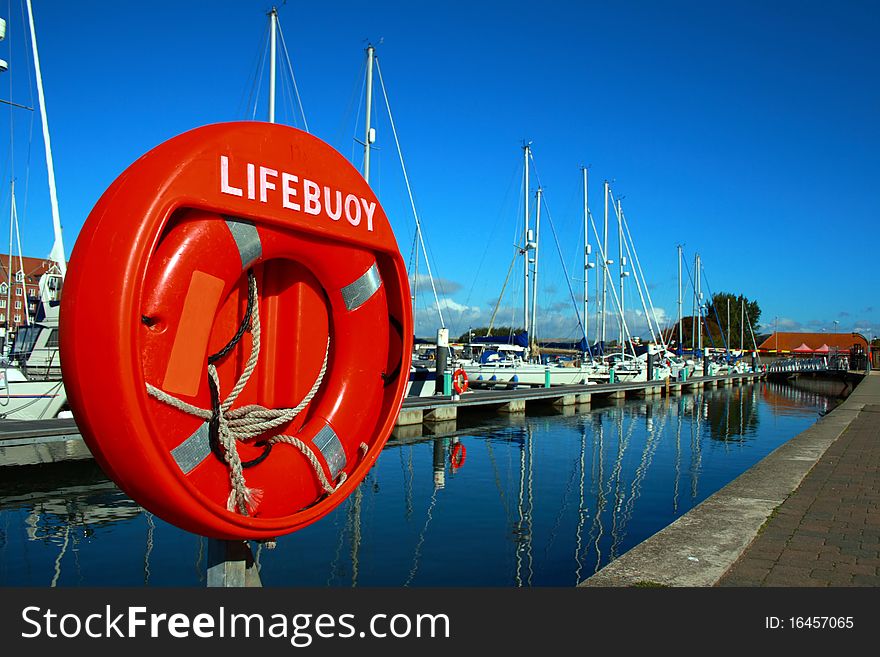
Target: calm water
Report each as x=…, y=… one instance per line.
x=537, y=500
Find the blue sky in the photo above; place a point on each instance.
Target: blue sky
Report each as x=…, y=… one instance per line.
x=747, y=132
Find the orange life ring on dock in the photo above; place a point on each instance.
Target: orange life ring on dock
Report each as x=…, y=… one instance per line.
x=460, y=381
x=254, y=332
x=459, y=453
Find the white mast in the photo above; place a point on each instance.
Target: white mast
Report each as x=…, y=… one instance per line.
x=526, y=150
x=273, y=21
x=370, y=133
x=695, y=309
x=57, y=253
x=699, y=307
x=680, y=333
x=742, y=322
x=620, y=265
x=605, y=264
x=533, y=323
x=587, y=264
x=728, y=326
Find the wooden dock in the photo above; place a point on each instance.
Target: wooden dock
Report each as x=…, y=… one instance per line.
x=33, y=442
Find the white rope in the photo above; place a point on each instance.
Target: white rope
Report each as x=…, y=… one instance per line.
x=248, y=421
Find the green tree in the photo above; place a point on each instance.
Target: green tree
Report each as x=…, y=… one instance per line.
x=483, y=330
x=717, y=317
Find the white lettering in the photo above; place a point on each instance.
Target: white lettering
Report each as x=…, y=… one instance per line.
x=178, y=626
x=24, y=617
x=265, y=185
x=333, y=214
x=134, y=621
x=203, y=626
x=89, y=625
x=112, y=625
x=369, y=208
x=155, y=619
x=311, y=197
x=250, y=177
x=225, y=187
x=76, y=623
x=297, y=194
x=288, y=191
x=355, y=219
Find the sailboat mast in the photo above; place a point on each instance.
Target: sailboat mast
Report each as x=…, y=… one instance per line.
x=57, y=254
x=370, y=135
x=526, y=151
x=680, y=345
x=534, y=323
x=742, y=324
x=605, y=264
x=620, y=265
x=273, y=22
x=586, y=262
x=699, y=307
x=728, y=326
x=695, y=309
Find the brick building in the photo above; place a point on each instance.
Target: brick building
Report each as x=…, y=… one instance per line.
x=20, y=289
x=786, y=343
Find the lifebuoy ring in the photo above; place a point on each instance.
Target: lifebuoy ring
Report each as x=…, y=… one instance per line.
x=458, y=455
x=460, y=381
x=252, y=343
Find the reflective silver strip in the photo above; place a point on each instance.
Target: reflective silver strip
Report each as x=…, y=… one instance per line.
x=193, y=450
x=328, y=443
x=357, y=293
x=247, y=239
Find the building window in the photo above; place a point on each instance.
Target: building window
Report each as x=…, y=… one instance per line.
x=17, y=319
x=3, y=288
x=18, y=291
x=2, y=303
x=2, y=317
x=19, y=277
x=18, y=305
x=32, y=307
x=32, y=292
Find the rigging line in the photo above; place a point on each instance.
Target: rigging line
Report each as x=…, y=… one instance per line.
x=292, y=76
x=611, y=287
x=562, y=260
x=714, y=308
x=622, y=220
x=409, y=190
x=256, y=96
x=245, y=101
x=635, y=256
x=501, y=296
x=340, y=130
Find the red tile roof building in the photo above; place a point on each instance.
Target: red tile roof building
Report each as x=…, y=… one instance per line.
x=788, y=342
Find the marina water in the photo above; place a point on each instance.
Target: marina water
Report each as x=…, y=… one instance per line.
x=543, y=499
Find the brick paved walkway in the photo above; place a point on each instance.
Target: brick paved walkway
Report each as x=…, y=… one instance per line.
x=827, y=533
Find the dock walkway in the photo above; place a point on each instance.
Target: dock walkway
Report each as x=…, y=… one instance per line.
x=827, y=533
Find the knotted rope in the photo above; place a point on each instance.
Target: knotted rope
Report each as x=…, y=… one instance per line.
x=246, y=422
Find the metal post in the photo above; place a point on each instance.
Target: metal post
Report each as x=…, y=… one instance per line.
x=231, y=565
x=440, y=370
x=369, y=135
x=273, y=21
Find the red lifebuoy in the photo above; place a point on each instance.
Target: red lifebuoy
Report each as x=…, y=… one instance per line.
x=456, y=459
x=460, y=381
x=253, y=330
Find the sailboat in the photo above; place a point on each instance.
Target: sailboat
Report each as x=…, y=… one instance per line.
x=30, y=375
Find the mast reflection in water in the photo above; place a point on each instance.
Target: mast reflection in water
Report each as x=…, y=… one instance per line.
x=537, y=500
